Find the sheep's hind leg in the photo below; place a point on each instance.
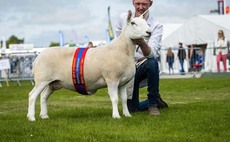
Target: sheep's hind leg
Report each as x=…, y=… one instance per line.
x=123, y=96
x=113, y=93
x=32, y=100
x=43, y=101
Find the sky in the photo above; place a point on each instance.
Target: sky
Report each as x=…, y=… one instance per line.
x=39, y=21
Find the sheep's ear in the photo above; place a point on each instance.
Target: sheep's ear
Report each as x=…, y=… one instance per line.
x=129, y=16
x=144, y=14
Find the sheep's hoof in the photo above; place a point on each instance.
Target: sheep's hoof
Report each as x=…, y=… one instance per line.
x=44, y=116
x=116, y=117
x=31, y=118
x=127, y=115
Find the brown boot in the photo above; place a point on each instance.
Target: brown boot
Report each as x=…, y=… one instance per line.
x=153, y=111
x=161, y=103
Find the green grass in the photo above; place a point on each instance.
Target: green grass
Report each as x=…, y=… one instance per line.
x=199, y=112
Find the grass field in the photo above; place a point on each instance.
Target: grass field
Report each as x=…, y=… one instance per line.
x=199, y=112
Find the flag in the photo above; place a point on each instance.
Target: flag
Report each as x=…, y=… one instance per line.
x=61, y=38
x=220, y=7
x=110, y=28
x=86, y=38
x=107, y=35
x=3, y=44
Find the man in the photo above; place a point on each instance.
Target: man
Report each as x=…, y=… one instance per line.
x=181, y=56
x=146, y=60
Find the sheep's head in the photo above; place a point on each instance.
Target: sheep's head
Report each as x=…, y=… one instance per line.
x=137, y=27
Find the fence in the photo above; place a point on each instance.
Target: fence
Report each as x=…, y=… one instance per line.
x=21, y=63
x=208, y=56
x=20, y=67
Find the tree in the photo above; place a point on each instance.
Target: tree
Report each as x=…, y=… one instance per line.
x=14, y=40
x=52, y=44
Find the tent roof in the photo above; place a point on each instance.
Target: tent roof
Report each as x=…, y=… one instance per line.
x=170, y=28
x=221, y=20
x=200, y=29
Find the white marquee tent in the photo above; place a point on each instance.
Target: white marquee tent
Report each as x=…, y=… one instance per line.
x=201, y=29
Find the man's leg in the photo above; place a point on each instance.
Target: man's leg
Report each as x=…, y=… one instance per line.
x=143, y=105
x=181, y=65
x=152, y=72
x=133, y=104
x=149, y=69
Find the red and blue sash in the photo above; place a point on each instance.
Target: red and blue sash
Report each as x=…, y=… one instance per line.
x=78, y=70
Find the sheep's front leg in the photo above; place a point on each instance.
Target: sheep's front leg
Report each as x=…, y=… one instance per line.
x=123, y=96
x=113, y=93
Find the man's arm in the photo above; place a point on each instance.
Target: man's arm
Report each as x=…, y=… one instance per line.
x=150, y=49
x=120, y=23
x=143, y=45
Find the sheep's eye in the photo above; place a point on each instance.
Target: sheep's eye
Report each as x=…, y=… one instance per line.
x=133, y=23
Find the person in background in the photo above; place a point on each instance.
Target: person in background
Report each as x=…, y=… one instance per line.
x=181, y=56
x=228, y=55
x=90, y=44
x=221, y=50
x=170, y=60
x=146, y=61
x=192, y=56
x=199, y=62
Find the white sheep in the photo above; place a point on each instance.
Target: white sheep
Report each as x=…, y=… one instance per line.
x=111, y=65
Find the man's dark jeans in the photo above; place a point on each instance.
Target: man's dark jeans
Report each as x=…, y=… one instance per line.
x=149, y=69
x=182, y=65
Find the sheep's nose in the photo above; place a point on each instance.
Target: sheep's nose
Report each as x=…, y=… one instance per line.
x=149, y=33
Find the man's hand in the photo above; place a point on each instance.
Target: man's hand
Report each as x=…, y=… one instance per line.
x=139, y=42
x=143, y=45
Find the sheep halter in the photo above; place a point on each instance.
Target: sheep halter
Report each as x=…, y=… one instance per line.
x=142, y=15
x=78, y=70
